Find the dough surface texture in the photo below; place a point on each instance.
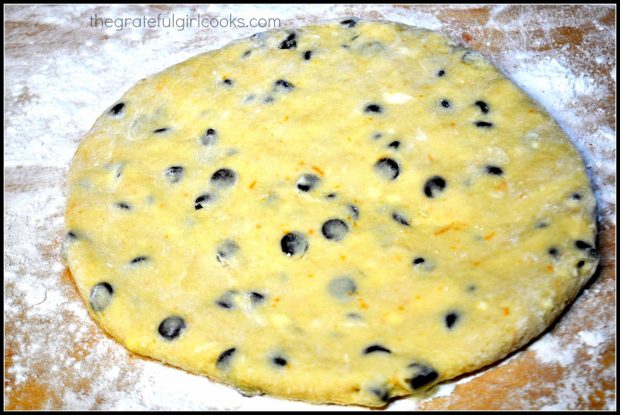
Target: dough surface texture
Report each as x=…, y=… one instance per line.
x=345, y=213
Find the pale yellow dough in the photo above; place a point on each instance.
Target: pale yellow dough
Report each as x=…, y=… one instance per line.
x=501, y=257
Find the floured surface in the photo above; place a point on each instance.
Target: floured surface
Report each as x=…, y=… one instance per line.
x=108, y=390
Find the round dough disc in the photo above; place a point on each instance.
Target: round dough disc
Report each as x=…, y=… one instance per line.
x=346, y=212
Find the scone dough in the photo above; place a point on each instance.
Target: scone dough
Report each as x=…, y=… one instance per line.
x=346, y=213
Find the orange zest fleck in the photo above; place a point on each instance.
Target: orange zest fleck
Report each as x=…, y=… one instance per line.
x=549, y=268
x=318, y=170
x=502, y=186
x=258, y=226
x=363, y=305
x=506, y=311
x=489, y=236
x=251, y=186
x=476, y=263
x=343, y=257
x=430, y=157
x=310, y=231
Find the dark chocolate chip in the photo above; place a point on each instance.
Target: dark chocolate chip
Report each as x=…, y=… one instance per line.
x=72, y=235
x=289, y=43
x=246, y=53
x=282, y=85
x=331, y=195
x=581, y=263
x=117, y=109
x=256, y=297
x=434, y=186
x=228, y=82
x=202, y=200
x=445, y=103
x=497, y=171
x=174, y=174
x=294, y=243
x=349, y=23
x=381, y=393
x=398, y=218
x=161, y=130
x=553, y=251
x=418, y=261
x=171, y=327
x=451, y=319
x=471, y=288
x=483, y=124
x=226, y=300
x=307, y=182
x=307, y=55
x=388, y=168
x=376, y=348
x=209, y=137
x=224, y=178
x=373, y=108
x=139, y=259
x=576, y=196
x=334, y=229
x=101, y=296
x=342, y=288
x=279, y=361
x=394, y=144
x=123, y=205
x=584, y=246
x=422, y=375
x=377, y=136
x=542, y=224
x=483, y=106
x=355, y=212
x=441, y=73
x=224, y=358
x=268, y=100
x=226, y=250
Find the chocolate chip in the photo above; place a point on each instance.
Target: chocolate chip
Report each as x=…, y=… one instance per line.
x=101, y=296
x=289, y=43
x=330, y=195
x=542, y=224
x=584, y=246
x=394, y=144
x=451, y=319
x=307, y=182
x=202, y=200
x=174, y=174
x=256, y=297
x=377, y=136
x=279, y=361
x=497, y=171
x=209, y=138
x=225, y=250
x=434, y=186
x=294, y=243
x=373, y=108
x=72, y=235
x=441, y=73
x=283, y=86
x=268, y=100
x=161, y=130
x=445, y=103
x=171, y=327
x=422, y=375
x=139, y=259
x=581, y=263
x=349, y=23
x=342, y=288
x=376, y=348
x=355, y=212
x=123, y=205
x=418, y=261
x=223, y=359
x=483, y=106
x=224, y=178
x=381, y=393
x=226, y=300
x=228, y=82
x=401, y=219
x=576, y=196
x=307, y=55
x=117, y=109
x=334, y=229
x=387, y=168
x=483, y=124
x=246, y=53
x=553, y=251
